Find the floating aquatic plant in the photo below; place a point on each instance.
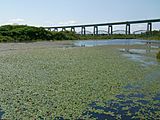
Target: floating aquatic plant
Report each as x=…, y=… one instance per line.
x=57, y=83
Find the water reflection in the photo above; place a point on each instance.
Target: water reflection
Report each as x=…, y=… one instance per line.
x=145, y=61
x=137, y=51
x=1, y=114
x=128, y=105
x=139, y=55
x=89, y=43
x=131, y=106
x=157, y=97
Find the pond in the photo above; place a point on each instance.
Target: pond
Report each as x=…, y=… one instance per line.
x=138, y=54
x=98, y=80
x=89, y=43
x=129, y=105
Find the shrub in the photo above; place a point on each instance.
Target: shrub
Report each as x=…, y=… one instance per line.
x=65, y=35
x=24, y=33
x=6, y=39
x=158, y=55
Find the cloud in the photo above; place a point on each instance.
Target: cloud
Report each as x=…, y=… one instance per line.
x=61, y=23
x=17, y=20
x=14, y=21
x=70, y=22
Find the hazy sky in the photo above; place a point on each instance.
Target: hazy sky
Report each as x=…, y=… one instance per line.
x=64, y=12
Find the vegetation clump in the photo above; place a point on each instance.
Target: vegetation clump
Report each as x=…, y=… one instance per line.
x=154, y=35
x=24, y=33
x=158, y=55
x=52, y=82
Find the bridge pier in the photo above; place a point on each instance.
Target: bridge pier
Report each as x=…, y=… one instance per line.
x=49, y=29
x=83, y=30
x=55, y=29
x=110, y=30
x=63, y=29
x=109, y=25
x=149, y=27
x=128, y=29
x=72, y=29
x=95, y=30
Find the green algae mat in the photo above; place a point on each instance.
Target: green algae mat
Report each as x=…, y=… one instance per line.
x=76, y=83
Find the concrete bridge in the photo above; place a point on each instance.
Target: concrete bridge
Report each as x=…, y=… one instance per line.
x=109, y=25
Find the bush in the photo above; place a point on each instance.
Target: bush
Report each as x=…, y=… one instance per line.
x=6, y=39
x=24, y=33
x=65, y=35
x=158, y=55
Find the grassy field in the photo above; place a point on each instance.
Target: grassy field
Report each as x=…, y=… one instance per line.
x=52, y=82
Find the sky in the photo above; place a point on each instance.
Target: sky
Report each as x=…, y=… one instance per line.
x=71, y=12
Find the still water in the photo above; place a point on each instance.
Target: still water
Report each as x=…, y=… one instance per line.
x=90, y=43
x=138, y=54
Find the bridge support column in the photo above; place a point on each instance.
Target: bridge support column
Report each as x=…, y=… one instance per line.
x=49, y=29
x=72, y=29
x=83, y=30
x=110, y=30
x=149, y=27
x=95, y=30
x=128, y=29
x=56, y=29
x=63, y=29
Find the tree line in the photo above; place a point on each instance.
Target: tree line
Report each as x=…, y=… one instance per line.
x=24, y=33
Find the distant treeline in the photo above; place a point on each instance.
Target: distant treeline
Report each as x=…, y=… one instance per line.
x=154, y=35
x=24, y=33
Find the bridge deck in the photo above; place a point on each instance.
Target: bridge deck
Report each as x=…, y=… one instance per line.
x=107, y=24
